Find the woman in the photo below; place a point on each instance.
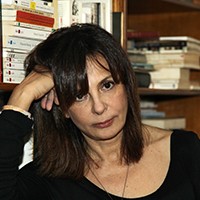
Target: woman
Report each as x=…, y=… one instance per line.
x=89, y=139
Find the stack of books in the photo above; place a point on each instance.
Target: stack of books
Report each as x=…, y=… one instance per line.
x=174, y=51
x=176, y=57
x=25, y=23
x=169, y=123
x=151, y=116
x=170, y=78
x=149, y=110
x=172, y=57
x=136, y=56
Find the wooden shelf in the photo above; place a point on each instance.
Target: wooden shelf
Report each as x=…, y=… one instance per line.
x=179, y=92
x=6, y=87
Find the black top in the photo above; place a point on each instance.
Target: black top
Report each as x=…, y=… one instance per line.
x=181, y=183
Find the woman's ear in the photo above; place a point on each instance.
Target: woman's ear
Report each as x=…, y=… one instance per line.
x=67, y=115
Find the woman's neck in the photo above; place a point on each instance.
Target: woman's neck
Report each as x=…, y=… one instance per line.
x=104, y=153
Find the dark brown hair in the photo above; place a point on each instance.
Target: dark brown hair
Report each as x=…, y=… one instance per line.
x=60, y=148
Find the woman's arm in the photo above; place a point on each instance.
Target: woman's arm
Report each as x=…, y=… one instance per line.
x=14, y=126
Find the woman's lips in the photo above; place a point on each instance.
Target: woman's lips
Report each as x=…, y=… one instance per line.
x=104, y=124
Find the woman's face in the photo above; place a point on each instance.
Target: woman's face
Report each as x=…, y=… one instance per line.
x=100, y=114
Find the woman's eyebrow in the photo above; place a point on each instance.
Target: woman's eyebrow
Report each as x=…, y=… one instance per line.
x=103, y=80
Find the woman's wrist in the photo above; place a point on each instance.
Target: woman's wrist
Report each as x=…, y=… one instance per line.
x=17, y=109
x=21, y=98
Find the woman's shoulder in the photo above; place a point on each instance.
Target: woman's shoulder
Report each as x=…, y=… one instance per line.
x=178, y=142
x=154, y=135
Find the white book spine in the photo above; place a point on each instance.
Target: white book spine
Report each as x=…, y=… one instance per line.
x=13, y=73
x=10, y=65
x=8, y=53
x=170, y=73
x=19, y=43
x=27, y=25
x=12, y=60
x=31, y=4
x=64, y=10
x=177, y=123
x=180, y=38
x=12, y=79
x=8, y=18
x=24, y=32
x=169, y=86
x=13, y=11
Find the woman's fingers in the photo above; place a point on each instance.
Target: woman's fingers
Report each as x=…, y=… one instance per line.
x=48, y=100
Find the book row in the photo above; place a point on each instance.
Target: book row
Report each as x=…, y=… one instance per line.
x=25, y=23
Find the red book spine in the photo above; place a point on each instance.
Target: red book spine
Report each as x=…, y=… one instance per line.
x=45, y=20
x=142, y=35
x=19, y=19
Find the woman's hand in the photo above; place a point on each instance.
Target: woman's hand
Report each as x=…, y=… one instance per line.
x=48, y=100
x=33, y=87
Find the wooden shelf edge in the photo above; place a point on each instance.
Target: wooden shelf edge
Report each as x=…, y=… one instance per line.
x=184, y=3
x=6, y=87
x=177, y=92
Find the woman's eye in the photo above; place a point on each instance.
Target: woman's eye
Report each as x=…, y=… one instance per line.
x=108, y=85
x=81, y=97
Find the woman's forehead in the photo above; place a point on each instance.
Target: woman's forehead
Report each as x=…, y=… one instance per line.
x=97, y=62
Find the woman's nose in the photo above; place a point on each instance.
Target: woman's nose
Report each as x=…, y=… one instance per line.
x=98, y=105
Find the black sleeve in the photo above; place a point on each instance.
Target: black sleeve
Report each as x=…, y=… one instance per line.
x=195, y=164
x=14, y=126
x=187, y=145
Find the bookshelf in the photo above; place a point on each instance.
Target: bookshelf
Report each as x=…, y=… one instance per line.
x=169, y=18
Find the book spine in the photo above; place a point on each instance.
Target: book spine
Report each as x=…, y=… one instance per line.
x=27, y=25
x=12, y=11
x=27, y=20
x=13, y=60
x=11, y=54
x=35, y=17
x=25, y=32
x=64, y=8
x=30, y=4
x=40, y=23
x=19, y=43
x=180, y=38
x=12, y=79
x=27, y=15
x=13, y=73
x=172, y=85
x=12, y=65
x=170, y=73
x=142, y=35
